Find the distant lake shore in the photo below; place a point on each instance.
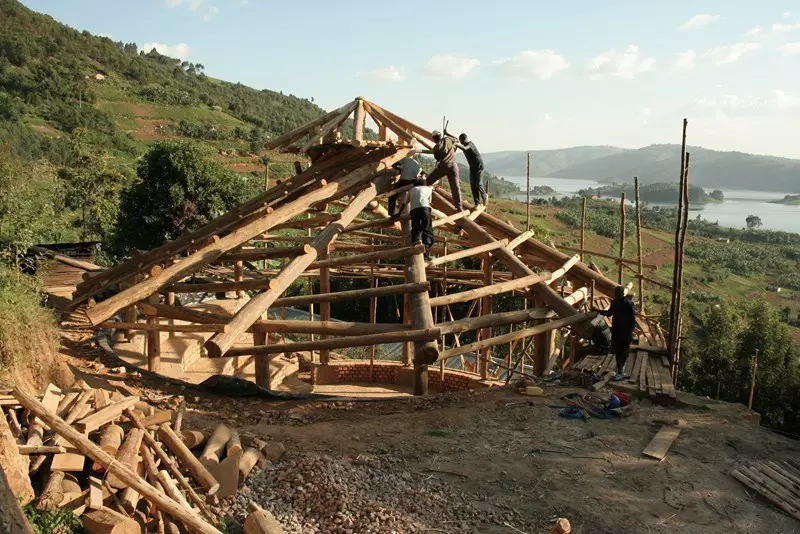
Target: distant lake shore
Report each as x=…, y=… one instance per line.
x=774, y=211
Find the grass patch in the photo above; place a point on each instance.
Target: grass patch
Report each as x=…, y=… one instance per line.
x=28, y=334
x=438, y=433
x=56, y=521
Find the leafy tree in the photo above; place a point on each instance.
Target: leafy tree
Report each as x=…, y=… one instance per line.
x=716, y=194
x=178, y=188
x=91, y=188
x=753, y=222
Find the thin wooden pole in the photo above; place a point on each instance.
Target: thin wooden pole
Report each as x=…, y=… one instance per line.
x=676, y=356
x=266, y=177
x=153, y=342
x=639, y=243
x=679, y=217
x=311, y=304
x=486, y=309
x=528, y=194
x=324, y=307
x=621, y=236
x=373, y=311
x=583, y=227
x=753, y=380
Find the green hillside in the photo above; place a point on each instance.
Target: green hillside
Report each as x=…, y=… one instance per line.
x=709, y=168
x=543, y=162
x=54, y=79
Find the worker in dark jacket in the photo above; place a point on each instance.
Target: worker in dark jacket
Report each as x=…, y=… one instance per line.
x=444, y=152
x=623, y=314
x=475, y=162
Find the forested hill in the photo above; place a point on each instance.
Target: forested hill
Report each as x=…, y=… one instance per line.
x=654, y=164
x=54, y=79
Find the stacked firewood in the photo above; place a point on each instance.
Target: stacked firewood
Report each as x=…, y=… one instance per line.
x=123, y=466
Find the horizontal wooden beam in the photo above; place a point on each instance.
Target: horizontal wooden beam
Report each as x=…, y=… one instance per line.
x=334, y=328
x=66, y=260
x=220, y=287
x=494, y=289
x=399, y=336
x=466, y=253
x=606, y=256
x=517, y=334
x=354, y=294
x=183, y=314
x=158, y=327
x=368, y=257
x=255, y=254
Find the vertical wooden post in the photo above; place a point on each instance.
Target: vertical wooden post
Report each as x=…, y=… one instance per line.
x=171, y=302
x=583, y=228
x=407, y=347
x=639, y=243
x=676, y=356
x=238, y=273
x=130, y=312
x=753, y=380
x=543, y=347
x=260, y=337
x=383, y=133
x=528, y=194
x=621, y=237
x=373, y=310
x=153, y=341
x=324, y=307
x=266, y=176
x=678, y=223
x=311, y=305
x=486, y=309
x=359, y=120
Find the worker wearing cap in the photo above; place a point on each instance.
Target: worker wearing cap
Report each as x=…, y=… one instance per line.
x=410, y=170
x=444, y=152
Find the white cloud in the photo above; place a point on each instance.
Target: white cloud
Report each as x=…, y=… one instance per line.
x=685, y=61
x=790, y=49
x=785, y=101
x=625, y=64
x=755, y=32
x=388, y=74
x=542, y=64
x=698, y=21
x=180, y=50
x=450, y=66
x=202, y=7
x=785, y=28
x=787, y=14
x=723, y=55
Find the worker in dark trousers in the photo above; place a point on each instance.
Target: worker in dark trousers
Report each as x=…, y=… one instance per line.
x=421, y=221
x=475, y=162
x=623, y=314
x=409, y=172
x=444, y=152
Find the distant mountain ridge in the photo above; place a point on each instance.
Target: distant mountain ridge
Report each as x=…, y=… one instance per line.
x=654, y=164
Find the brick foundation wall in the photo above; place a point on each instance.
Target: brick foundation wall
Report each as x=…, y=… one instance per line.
x=356, y=371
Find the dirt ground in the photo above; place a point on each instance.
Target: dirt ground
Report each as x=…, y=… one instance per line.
x=510, y=469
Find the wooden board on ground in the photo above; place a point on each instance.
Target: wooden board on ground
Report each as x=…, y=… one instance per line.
x=653, y=387
x=660, y=444
x=630, y=365
x=643, y=371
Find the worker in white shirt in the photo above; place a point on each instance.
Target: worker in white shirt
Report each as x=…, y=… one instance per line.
x=409, y=172
x=421, y=221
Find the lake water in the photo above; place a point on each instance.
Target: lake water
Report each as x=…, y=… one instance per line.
x=738, y=204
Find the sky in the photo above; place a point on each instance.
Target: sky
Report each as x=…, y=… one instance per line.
x=513, y=74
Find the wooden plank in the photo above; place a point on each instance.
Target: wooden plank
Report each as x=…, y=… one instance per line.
x=659, y=446
x=630, y=365
x=106, y=415
x=653, y=386
x=643, y=371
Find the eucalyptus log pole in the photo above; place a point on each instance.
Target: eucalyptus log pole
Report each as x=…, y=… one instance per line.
x=639, y=243
x=583, y=227
x=407, y=356
x=373, y=312
x=153, y=338
x=621, y=236
x=486, y=309
x=675, y=264
x=495, y=289
x=466, y=253
x=260, y=338
x=676, y=356
x=324, y=307
x=251, y=311
x=528, y=194
x=753, y=380
x=124, y=473
x=359, y=119
x=425, y=352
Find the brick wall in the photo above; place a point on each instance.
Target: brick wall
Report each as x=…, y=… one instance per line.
x=354, y=371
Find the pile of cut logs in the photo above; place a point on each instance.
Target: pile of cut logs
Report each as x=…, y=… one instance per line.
x=123, y=466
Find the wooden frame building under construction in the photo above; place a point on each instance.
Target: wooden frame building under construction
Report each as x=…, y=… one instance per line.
x=343, y=230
